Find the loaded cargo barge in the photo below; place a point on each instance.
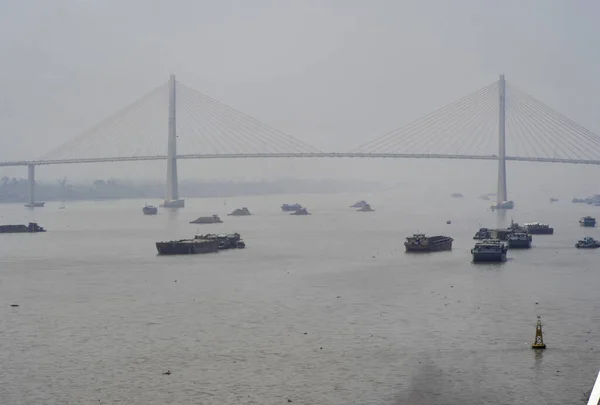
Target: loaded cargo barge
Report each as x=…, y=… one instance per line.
x=421, y=243
x=187, y=247
x=32, y=227
x=210, y=243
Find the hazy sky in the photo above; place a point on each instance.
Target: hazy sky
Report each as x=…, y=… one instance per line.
x=334, y=73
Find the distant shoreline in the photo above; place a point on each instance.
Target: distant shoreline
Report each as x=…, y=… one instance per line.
x=16, y=190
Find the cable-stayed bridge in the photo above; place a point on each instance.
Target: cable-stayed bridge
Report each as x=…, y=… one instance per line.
x=499, y=122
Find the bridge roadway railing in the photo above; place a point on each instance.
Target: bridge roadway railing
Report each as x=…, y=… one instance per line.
x=297, y=155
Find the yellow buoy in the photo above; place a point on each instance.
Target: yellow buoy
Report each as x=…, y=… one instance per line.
x=538, y=343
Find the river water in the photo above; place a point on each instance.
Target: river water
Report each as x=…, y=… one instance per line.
x=324, y=309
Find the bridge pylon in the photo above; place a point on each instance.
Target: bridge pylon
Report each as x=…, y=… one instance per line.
x=31, y=203
x=172, y=199
x=501, y=193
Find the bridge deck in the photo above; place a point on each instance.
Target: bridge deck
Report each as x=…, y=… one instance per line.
x=297, y=155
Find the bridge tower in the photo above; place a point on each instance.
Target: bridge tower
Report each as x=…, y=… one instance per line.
x=501, y=194
x=31, y=180
x=172, y=193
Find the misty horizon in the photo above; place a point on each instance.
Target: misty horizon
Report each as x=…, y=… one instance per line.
x=332, y=74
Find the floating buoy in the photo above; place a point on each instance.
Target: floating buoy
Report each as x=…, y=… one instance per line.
x=538, y=343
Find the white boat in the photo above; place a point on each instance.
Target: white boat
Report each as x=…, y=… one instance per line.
x=504, y=205
x=595, y=394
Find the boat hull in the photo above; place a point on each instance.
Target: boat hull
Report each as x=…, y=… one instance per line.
x=240, y=213
x=541, y=231
x=31, y=228
x=587, y=224
x=173, y=204
x=37, y=204
x=229, y=241
x=519, y=244
x=504, y=205
x=481, y=257
x=187, y=247
x=434, y=244
x=207, y=220
x=202, y=221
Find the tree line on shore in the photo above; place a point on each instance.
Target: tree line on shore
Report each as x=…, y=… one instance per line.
x=17, y=189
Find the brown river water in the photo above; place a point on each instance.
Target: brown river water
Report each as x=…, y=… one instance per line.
x=323, y=309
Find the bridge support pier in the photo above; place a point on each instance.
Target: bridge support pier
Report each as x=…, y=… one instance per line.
x=172, y=199
x=501, y=194
x=31, y=179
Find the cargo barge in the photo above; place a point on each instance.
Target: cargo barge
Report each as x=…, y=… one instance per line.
x=519, y=240
x=209, y=243
x=187, y=247
x=32, y=227
x=489, y=250
x=500, y=234
x=536, y=228
x=225, y=241
x=421, y=243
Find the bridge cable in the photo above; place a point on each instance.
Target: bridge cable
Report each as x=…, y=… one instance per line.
x=564, y=142
x=246, y=119
x=424, y=121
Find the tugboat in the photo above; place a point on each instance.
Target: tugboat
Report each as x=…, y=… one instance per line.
x=301, y=211
x=359, y=204
x=536, y=228
x=291, y=207
x=519, y=240
x=489, y=250
x=173, y=203
x=483, y=233
x=240, y=212
x=187, y=246
x=587, y=221
x=504, y=205
x=32, y=227
x=365, y=208
x=207, y=220
x=36, y=204
x=587, y=243
x=149, y=210
x=421, y=243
